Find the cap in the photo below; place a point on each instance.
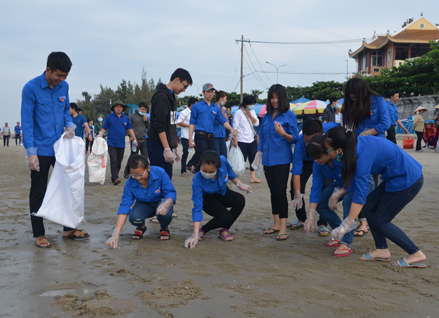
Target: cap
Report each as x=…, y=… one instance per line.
x=208, y=87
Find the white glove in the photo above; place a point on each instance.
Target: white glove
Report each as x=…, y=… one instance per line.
x=169, y=156
x=114, y=239
x=164, y=207
x=101, y=134
x=346, y=226
x=191, y=241
x=333, y=200
x=257, y=163
x=69, y=132
x=177, y=154
x=32, y=159
x=310, y=222
x=297, y=203
x=243, y=187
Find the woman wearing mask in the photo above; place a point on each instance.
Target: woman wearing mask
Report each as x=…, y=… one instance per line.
x=211, y=194
x=244, y=120
x=278, y=131
x=98, y=126
x=219, y=130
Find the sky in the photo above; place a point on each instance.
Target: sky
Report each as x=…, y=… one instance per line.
x=109, y=41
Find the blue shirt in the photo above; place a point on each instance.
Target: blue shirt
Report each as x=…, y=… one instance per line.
x=117, y=127
x=381, y=156
x=393, y=112
x=159, y=187
x=201, y=185
x=44, y=114
x=319, y=173
x=219, y=130
x=204, y=116
x=276, y=150
x=79, y=121
x=17, y=130
x=379, y=117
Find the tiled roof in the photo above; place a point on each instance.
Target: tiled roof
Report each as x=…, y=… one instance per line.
x=380, y=40
x=417, y=35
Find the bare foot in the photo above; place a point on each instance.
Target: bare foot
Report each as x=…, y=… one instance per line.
x=255, y=181
x=415, y=258
x=379, y=253
x=323, y=232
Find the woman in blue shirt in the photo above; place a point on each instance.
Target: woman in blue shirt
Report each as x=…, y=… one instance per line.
x=402, y=180
x=219, y=130
x=211, y=194
x=278, y=131
x=153, y=193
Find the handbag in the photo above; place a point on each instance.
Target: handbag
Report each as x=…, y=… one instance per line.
x=251, y=125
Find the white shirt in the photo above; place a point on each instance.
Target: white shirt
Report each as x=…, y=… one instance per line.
x=185, y=117
x=245, y=131
x=339, y=118
x=6, y=131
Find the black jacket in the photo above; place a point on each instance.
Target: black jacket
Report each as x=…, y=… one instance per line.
x=328, y=114
x=163, y=116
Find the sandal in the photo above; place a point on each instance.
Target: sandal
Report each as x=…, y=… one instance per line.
x=279, y=237
x=138, y=233
x=324, y=229
x=225, y=236
x=361, y=234
x=154, y=220
x=270, y=230
x=350, y=250
x=296, y=226
x=201, y=235
x=333, y=245
x=82, y=235
x=42, y=240
x=163, y=234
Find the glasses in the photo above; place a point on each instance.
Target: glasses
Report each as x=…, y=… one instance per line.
x=185, y=86
x=135, y=176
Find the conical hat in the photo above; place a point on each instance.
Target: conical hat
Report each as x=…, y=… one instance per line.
x=420, y=108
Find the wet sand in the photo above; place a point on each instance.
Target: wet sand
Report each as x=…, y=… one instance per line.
x=253, y=276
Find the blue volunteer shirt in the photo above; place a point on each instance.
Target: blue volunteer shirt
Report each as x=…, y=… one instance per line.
x=159, y=187
x=379, y=117
x=276, y=150
x=219, y=130
x=381, y=156
x=44, y=114
x=17, y=130
x=201, y=185
x=393, y=112
x=79, y=122
x=204, y=116
x=116, y=127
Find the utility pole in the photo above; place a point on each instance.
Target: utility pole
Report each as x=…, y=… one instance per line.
x=347, y=70
x=242, y=67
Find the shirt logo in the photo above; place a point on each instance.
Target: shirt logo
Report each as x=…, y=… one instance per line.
x=125, y=124
x=372, y=112
x=158, y=191
x=62, y=98
x=227, y=178
x=214, y=112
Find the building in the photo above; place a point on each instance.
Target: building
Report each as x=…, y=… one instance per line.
x=386, y=51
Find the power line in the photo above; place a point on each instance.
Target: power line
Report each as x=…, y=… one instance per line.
x=253, y=71
x=310, y=43
x=254, y=68
x=260, y=64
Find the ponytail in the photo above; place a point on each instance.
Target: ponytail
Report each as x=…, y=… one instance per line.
x=349, y=158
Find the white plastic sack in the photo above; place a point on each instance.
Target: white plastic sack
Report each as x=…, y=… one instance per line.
x=236, y=160
x=228, y=147
x=97, y=161
x=64, y=199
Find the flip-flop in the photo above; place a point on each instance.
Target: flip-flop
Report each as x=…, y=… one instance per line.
x=38, y=243
x=333, y=245
x=343, y=249
x=270, y=230
x=298, y=225
x=278, y=238
x=74, y=237
x=154, y=220
x=164, y=233
x=324, y=229
x=224, y=237
x=403, y=263
x=368, y=257
x=359, y=235
x=201, y=235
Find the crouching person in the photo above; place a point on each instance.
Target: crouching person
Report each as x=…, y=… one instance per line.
x=153, y=193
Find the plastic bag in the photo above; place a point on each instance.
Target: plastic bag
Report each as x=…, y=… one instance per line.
x=97, y=161
x=64, y=199
x=236, y=160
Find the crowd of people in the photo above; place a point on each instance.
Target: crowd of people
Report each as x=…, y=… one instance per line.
x=346, y=153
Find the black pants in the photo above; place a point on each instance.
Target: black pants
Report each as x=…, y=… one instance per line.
x=88, y=143
x=37, y=191
x=391, y=134
x=185, y=144
x=5, y=140
x=202, y=143
x=306, y=173
x=156, y=158
x=249, y=150
x=277, y=180
x=420, y=136
x=116, y=157
x=17, y=137
x=216, y=205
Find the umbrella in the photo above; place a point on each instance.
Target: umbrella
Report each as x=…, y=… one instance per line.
x=311, y=107
x=262, y=111
x=234, y=109
x=300, y=100
x=257, y=109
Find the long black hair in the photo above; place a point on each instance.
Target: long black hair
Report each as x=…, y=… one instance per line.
x=284, y=104
x=210, y=157
x=137, y=161
x=338, y=137
x=355, y=112
x=316, y=147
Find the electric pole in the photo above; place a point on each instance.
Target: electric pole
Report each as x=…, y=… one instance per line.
x=242, y=67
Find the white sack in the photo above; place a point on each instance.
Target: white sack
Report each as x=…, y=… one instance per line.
x=64, y=199
x=97, y=161
x=236, y=160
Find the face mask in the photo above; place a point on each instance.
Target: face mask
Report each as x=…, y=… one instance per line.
x=208, y=175
x=222, y=104
x=100, y=119
x=251, y=107
x=340, y=157
x=141, y=113
x=91, y=123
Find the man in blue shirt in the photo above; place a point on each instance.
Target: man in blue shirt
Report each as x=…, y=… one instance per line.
x=394, y=117
x=45, y=116
x=17, y=131
x=117, y=125
x=203, y=117
x=80, y=122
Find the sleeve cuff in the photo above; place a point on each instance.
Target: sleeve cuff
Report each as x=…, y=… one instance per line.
x=70, y=124
x=31, y=151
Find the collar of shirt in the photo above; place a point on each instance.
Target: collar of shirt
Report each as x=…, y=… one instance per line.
x=45, y=83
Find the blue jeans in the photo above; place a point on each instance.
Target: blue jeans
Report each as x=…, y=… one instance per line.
x=381, y=208
x=220, y=147
x=144, y=210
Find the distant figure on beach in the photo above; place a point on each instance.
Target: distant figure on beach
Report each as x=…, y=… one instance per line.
x=329, y=112
x=17, y=130
x=47, y=93
x=6, y=133
x=219, y=130
x=183, y=122
x=394, y=117
x=338, y=115
x=151, y=191
x=211, y=194
x=418, y=126
x=429, y=135
x=89, y=143
x=80, y=123
x=98, y=126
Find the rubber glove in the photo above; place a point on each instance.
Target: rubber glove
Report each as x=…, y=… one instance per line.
x=335, y=197
x=69, y=132
x=297, y=203
x=32, y=159
x=310, y=222
x=101, y=134
x=114, y=239
x=169, y=156
x=243, y=187
x=191, y=241
x=177, y=154
x=257, y=163
x=346, y=226
x=164, y=207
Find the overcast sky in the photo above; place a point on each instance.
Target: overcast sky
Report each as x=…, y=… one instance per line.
x=108, y=40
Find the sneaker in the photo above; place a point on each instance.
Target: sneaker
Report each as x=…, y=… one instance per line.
x=184, y=174
x=419, y=150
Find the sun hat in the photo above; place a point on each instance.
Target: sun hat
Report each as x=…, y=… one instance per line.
x=420, y=108
x=118, y=102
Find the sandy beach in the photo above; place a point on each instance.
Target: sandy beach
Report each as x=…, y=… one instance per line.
x=253, y=276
